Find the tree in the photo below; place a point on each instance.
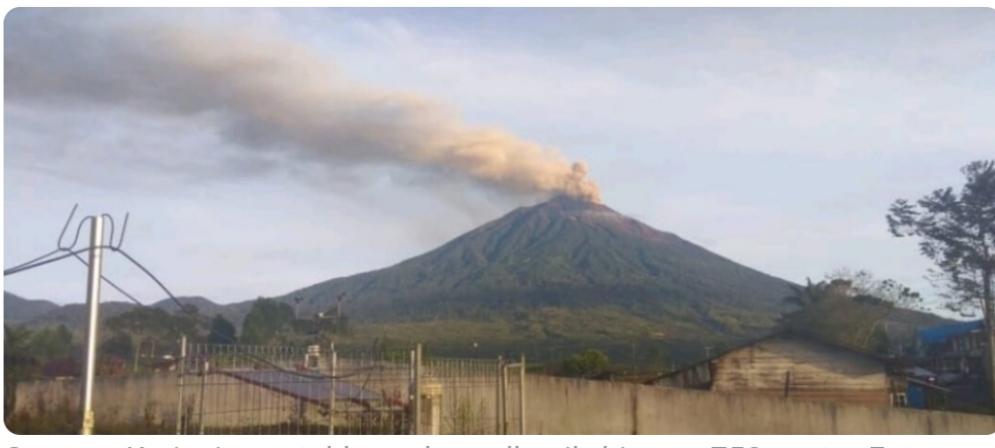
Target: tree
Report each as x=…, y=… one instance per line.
x=838, y=312
x=151, y=328
x=222, y=331
x=588, y=363
x=956, y=230
x=863, y=283
x=187, y=322
x=266, y=322
x=49, y=344
x=119, y=344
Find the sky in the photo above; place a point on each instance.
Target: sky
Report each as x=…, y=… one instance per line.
x=259, y=151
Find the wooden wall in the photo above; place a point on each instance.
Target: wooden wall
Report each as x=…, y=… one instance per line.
x=817, y=372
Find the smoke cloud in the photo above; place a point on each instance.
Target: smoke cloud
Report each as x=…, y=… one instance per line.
x=265, y=93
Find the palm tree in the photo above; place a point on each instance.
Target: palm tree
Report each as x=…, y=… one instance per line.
x=835, y=311
x=803, y=297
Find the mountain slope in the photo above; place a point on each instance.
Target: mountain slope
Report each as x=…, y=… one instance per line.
x=562, y=253
x=17, y=309
x=41, y=313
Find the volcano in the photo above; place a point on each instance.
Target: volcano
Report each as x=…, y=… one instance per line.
x=563, y=256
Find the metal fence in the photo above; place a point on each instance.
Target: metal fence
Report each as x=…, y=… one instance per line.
x=238, y=389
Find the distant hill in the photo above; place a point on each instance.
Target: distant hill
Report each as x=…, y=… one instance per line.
x=41, y=313
x=17, y=309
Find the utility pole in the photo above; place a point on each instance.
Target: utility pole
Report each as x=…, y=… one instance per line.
x=93, y=306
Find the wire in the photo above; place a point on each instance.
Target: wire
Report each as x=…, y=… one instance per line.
x=35, y=259
x=26, y=266
x=109, y=282
x=41, y=261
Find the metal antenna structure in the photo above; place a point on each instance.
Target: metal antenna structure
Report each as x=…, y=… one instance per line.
x=95, y=279
x=93, y=284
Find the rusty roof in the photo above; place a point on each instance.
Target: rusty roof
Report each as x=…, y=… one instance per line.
x=777, y=333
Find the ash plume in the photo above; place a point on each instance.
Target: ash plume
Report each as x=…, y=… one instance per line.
x=264, y=93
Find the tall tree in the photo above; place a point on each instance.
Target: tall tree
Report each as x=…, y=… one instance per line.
x=49, y=344
x=266, y=322
x=956, y=230
x=222, y=331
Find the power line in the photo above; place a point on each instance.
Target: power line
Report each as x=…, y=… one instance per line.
x=28, y=266
x=109, y=282
x=35, y=263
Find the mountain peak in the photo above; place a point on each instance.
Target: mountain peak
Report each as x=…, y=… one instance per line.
x=570, y=204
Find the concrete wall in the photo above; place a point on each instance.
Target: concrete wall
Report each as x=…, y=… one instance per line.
x=554, y=406
x=567, y=406
x=152, y=399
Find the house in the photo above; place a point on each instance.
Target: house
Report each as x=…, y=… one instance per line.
x=956, y=348
x=61, y=369
x=792, y=365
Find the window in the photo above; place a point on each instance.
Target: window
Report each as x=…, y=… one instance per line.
x=898, y=400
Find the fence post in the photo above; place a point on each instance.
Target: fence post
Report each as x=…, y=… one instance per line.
x=331, y=395
x=521, y=395
x=179, y=384
x=504, y=399
x=411, y=393
x=416, y=401
x=499, y=395
x=203, y=385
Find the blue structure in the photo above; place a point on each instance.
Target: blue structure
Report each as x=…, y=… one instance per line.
x=915, y=396
x=954, y=348
x=937, y=335
x=923, y=395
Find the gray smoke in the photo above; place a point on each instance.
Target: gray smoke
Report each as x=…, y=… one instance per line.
x=265, y=93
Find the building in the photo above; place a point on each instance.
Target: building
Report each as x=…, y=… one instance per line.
x=956, y=348
x=792, y=365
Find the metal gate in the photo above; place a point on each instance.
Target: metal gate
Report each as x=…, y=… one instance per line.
x=238, y=389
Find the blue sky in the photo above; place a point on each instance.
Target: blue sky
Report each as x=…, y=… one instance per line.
x=777, y=138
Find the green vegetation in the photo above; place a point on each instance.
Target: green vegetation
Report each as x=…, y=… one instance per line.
x=222, y=331
x=142, y=332
x=267, y=322
x=587, y=364
x=848, y=309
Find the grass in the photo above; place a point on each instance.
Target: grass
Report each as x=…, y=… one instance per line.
x=65, y=421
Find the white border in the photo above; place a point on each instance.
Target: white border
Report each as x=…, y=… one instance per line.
x=769, y=441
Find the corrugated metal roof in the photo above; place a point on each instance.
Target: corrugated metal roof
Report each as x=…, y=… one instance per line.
x=311, y=389
x=939, y=334
x=776, y=333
